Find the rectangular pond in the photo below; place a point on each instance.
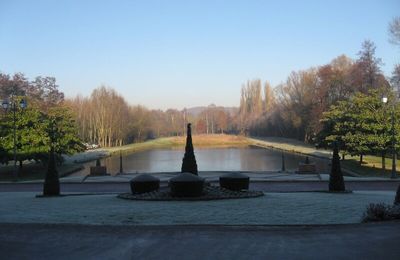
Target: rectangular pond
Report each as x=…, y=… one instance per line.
x=208, y=159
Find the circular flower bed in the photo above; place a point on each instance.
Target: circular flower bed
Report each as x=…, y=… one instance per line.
x=209, y=193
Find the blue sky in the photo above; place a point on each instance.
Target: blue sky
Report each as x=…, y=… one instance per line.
x=179, y=54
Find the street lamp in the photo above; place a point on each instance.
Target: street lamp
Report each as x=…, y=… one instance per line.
x=13, y=106
x=393, y=174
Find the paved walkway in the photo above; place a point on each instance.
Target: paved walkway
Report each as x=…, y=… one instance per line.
x=268, y=186
x=360, y=241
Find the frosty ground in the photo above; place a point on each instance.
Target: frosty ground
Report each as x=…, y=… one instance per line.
x=271, y=209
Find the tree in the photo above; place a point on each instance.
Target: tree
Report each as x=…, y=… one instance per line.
x=44, y=92
x=394, y=31
x=366, y=71
x=201, y=127
x=30, y=135
x=269, y=98
x=395, y=80
x=360, y=125
x=297, y=98
x=61, y=124
x=251, y=104
x=222, y=119
x=17, y=85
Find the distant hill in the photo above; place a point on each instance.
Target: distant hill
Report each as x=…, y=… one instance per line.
x=195, y=111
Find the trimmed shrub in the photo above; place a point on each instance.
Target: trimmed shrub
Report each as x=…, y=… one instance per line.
x=336, y=181
x=144, y=183
x=51, y=186
x=186, y=185
x=397, y=198
x=189, y=161
x=234, y=181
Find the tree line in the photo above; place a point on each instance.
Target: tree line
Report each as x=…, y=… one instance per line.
x=105, y=118
x=45, y=121
x=296, y=107
x=340, y=101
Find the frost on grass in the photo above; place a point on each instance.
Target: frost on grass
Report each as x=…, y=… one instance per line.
x=271, y=209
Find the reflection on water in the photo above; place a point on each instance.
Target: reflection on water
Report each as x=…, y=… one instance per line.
x=208, y=159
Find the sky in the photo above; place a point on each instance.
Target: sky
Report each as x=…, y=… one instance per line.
x=176, y=54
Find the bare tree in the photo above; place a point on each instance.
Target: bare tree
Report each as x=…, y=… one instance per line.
x=394, y=31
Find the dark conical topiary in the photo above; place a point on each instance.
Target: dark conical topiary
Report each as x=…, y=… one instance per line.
x=51, y=185
x=120, y=163
x=397, y=198
x=283, y=163
x=336, y=182
x=189, y=161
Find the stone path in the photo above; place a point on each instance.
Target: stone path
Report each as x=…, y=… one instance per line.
x=367, y=241
x=268, y=186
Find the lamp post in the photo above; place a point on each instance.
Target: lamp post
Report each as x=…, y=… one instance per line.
x=13, y=106
x=393, y=174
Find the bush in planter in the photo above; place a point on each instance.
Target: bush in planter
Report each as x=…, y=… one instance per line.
x=144, y=183
x=336, y=181
x=51, y=186
x=186, y=185
x=234, y=181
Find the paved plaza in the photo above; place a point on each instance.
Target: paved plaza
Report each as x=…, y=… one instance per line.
x=293, y=220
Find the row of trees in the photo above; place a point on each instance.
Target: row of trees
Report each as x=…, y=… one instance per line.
x=105, y=118
x=340, y=101
x=362, y=125
x=299, y=103
x=45, y=122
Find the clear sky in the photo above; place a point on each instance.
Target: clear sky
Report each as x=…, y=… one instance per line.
x=185, y=53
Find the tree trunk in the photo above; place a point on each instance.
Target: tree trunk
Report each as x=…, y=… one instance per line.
x=383, y=161
x=361, y=159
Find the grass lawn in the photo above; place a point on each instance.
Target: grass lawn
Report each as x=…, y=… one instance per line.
x=215, y=140
x=33, y=171
x=371, y=167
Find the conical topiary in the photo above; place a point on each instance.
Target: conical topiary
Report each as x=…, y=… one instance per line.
x=189, y=161
x=283, y=163
x=51, y=185
x=120, y=163
x=397, y=198
x=336, y=182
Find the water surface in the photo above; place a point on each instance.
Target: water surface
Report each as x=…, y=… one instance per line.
x=208, y=159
